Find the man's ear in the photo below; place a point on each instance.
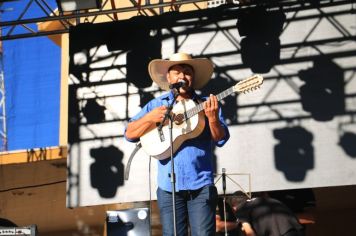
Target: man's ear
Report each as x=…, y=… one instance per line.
x=168, y=77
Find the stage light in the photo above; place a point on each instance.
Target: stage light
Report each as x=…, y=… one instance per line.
x=260, y=44
x=260, y=23
x=260, y=55
x=135, y=221
x=73, y=5
x=294, y=152
x=141, y=49
x=323, y=93
x=94, y=112
x=347, y=142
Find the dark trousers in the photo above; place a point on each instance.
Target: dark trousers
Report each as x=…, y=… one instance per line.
x=197, y=206
x=294, y=232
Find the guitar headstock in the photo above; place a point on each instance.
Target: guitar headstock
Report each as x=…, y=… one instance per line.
x=251, y=83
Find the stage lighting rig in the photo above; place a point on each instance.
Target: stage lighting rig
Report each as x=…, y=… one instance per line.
x=75, y=5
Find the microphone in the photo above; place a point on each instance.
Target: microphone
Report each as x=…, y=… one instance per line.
x=223, y=179
x=179, y=84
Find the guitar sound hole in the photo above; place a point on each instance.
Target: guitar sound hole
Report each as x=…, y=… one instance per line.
x=178, y=119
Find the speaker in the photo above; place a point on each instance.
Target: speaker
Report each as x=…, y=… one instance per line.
x=130, y=222
x=30, y=230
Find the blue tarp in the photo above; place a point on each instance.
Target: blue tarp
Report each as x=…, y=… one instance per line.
x=32, y=89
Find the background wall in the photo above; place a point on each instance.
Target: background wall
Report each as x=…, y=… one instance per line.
x=296, y=131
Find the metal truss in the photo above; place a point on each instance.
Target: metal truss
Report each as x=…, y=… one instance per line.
x=103, y=78
x=276, y=76
x=284, y=74
x=112, y=8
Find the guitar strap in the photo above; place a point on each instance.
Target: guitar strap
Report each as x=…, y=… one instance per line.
x=128, y=165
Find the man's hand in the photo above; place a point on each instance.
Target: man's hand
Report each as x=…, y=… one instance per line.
x=136, y=129
x=247, y=229
x=157, y=114
x=211, y=108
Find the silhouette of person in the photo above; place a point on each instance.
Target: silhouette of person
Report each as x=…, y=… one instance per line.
x=230, y=224
x=266, y=216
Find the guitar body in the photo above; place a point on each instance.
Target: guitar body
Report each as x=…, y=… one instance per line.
x=157, y=144
x=189, y=121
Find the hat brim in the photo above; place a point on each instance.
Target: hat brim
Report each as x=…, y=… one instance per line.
x=203, y=70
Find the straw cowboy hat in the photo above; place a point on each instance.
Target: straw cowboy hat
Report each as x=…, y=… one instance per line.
x=203, y=69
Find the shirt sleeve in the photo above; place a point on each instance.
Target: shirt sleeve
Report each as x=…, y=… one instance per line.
x=221, y=142
x=147, y=108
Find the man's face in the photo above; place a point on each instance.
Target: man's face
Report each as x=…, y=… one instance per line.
x=181, y=72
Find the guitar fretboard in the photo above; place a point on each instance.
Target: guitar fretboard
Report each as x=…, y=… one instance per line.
x=195, y=110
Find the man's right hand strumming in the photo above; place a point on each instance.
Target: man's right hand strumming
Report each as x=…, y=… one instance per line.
x=137, y=128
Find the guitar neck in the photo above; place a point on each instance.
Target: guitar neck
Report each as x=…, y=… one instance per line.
x=195, y=110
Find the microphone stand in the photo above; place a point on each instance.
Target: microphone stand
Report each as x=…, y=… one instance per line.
x=223, y=175
x=167, y=115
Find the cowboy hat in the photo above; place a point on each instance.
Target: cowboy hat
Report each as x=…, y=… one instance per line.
x=203, y=69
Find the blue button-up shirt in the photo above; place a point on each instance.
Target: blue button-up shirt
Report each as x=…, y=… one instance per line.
x=193, y=160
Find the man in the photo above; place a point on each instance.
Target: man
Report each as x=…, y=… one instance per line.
x=301, y=201
x=265, y=216
x=230, y=225
x=196, y=195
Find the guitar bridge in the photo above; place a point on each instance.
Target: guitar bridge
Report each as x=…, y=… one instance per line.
x=178, y=119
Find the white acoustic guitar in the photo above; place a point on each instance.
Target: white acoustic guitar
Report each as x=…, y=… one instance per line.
x=188, y=121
